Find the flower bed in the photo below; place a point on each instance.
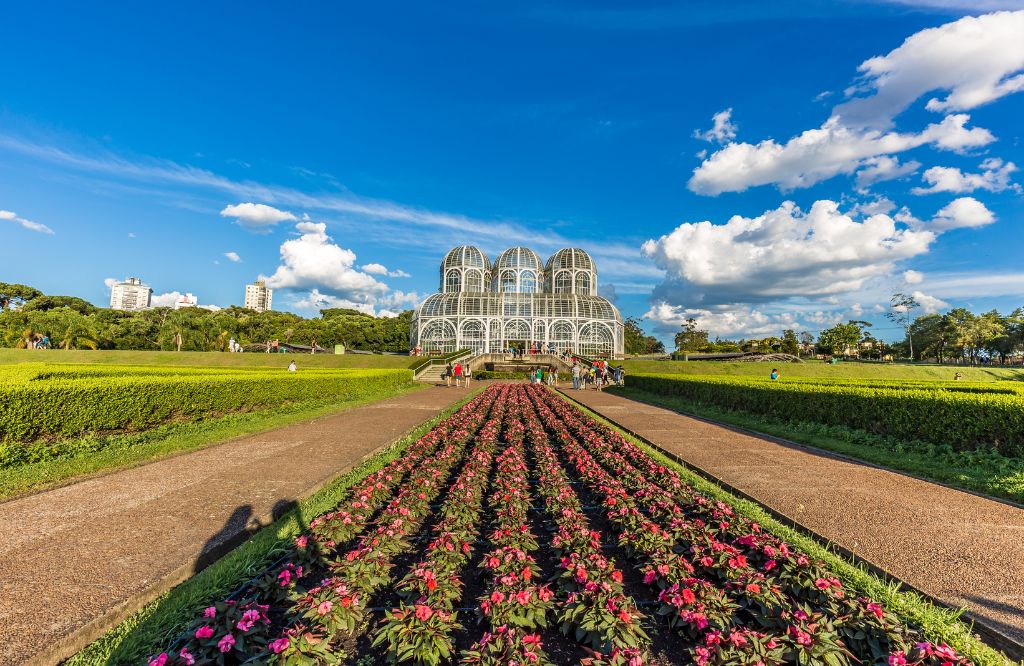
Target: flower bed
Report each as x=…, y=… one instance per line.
x=519, y=518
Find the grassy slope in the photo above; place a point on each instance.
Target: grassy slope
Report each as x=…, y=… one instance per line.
x=121, y=451
x=209, y=359
x=158, y=623
x=844, y=370
x=939, y=624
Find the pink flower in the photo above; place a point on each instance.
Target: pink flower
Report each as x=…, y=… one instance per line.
x=523, y=597
x=822, y=584
x=158, y=660
x=187, y=657
x=301, y=541
x=226, y=643
x=636, y=660
x=876, y=609
x=210, y=612
x=424, y=612
x=204, y=632
x=279, y=646
x=324, y=608
x=285, y=577
x=898, y=659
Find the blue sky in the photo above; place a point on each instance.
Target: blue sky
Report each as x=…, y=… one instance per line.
x=341, y=149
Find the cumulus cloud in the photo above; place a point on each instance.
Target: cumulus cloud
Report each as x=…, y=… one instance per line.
x=930, y=304
x=317, y=300
x=233, y=256
x=166, y=300
x=26, y=224
x=913, y=277
x=722, y=322
x=314, y=261
x=876, y=206
x=885, y=167
x=780, y=254
x=995, y=177
x=256, y=216
x=722, y=128
x=381, y=269
x=974, y=61
x=819, y=154
x=965, y=212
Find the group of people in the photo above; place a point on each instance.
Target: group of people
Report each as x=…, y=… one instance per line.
x=234, y=346
x=541, y=374
x=599, y=374
x=458, y=372
x=41, y=342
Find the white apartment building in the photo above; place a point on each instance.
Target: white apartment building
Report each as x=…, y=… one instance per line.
x=130, y=295
x=258, y=296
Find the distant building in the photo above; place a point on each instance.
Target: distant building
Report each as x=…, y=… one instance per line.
x=130, y=295
x=186, y=301
x=258, y=296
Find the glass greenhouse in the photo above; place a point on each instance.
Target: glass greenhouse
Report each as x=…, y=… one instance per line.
x=518, y=301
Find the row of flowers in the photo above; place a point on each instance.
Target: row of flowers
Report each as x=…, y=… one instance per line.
x=595, y=608
x=743, y=594
x=515, y=604
x=420, y=628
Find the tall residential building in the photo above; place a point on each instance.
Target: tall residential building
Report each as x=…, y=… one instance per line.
x=258, y=296
x=186, y=301
x=130, y=295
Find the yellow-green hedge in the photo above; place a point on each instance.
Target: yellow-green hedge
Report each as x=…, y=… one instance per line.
x=964, y=420
x=63, y=407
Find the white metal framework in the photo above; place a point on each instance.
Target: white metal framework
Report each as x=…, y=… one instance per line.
x=518, y=301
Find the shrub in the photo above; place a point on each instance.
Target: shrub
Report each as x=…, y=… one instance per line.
x=56, y=408
x=963, y=419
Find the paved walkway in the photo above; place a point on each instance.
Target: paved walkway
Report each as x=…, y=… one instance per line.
x=77, y=559
x=960, y=548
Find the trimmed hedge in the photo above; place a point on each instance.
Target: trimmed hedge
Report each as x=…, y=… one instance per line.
x=964, y=420
x=68, y=407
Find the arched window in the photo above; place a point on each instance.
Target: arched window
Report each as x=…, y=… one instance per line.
x=474, y=280
x=472, y=336
x=438, y=337
x=517, y=331
x=528, y=282
x=562, y=333
x=563, y=282
x=583, y=283
x=507, y=281
x=453, y=282
x=596, y=340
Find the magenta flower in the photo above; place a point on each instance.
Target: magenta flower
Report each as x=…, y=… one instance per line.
x=204, y=632
x=278, y=646
x=898, y=659
x=187, y=657
x=210, y=612
x=158, y=660
x=226, y=643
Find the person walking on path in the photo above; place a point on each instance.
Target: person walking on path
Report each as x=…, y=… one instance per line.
x=458, y=374
x=575, y=376
x=469, y=375
x=447, y=375
x=621, y=379
x=540, y=375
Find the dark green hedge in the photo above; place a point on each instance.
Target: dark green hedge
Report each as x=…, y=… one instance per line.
x=63, y=408
x=961, y=419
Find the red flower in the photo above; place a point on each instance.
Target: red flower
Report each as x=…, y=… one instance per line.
x=424, y=612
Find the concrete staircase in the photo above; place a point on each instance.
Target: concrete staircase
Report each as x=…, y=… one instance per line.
x=431, y=375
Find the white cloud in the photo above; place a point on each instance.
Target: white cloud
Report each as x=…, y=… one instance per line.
x=961, y=285
x=313, y=261
x=930, y=304
x=994, y=178
x=256, y=216
x=233, y=256
x=913, y=277
x=317, y=300
x=780, y=254
x=26, y=224
x=110, y=282
x=878, y=169
x=965, y=212
x=166, y=300
x=381, y=269
x=876, y=206
x=819, y=154
x=729, y=322
x=975, y=60
x=722, y=128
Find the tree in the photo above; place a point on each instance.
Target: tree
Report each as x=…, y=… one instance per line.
x=839, y=338
x=790, y=344
x=901, y=308
x=13, y=296
x=53, y=302
x=638, y=342
x=691, y=338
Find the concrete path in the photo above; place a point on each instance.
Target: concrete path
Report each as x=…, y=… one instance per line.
x=960, y=548
x=77, y=559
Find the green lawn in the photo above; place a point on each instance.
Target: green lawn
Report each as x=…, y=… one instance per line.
x=842, y=370
x=209, y=359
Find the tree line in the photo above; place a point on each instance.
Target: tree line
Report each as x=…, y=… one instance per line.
x=26, y=315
